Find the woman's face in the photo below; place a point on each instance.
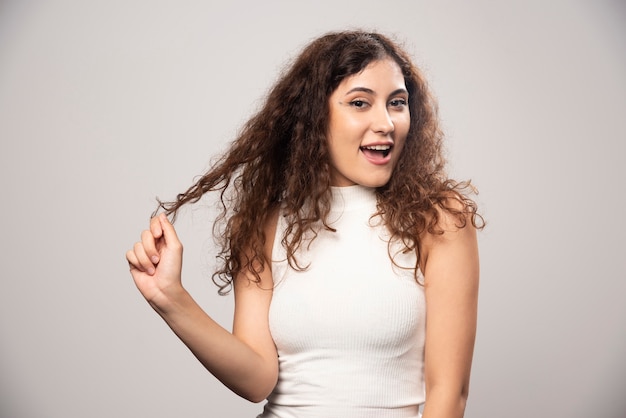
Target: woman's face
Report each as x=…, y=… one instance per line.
x=368, y=124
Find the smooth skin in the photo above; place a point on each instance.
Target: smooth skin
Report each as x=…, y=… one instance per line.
x=244, y=360
x=451, y=270
x=365, y=109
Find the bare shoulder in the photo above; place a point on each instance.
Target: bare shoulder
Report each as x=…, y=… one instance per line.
x=245, y=279
x=454, y=242
x=451, y=274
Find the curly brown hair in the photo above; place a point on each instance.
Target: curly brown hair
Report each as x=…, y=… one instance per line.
x=281, y=158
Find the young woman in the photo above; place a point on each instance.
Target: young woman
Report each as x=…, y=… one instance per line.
x=352, y=256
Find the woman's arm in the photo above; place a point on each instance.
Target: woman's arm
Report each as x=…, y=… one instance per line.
x=246, y=360
x=451, y=271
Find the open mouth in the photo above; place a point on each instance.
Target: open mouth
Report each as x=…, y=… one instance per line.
x=377, y=150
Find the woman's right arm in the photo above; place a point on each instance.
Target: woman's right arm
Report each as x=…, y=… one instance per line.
x=245, y=360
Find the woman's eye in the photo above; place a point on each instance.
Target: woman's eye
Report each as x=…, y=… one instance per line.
x=398, y=103
x=358, y=103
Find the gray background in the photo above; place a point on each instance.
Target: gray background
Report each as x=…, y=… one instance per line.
x=106, y=104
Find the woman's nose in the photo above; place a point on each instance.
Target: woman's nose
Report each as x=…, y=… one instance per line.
x=382, y=122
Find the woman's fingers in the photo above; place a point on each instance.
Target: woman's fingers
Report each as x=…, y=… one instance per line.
x=169, y=233
x=158, y=242
x=145, y=255
x=155, y=226
x=150, y=246
x=156, y=260
x=132, y=260
x=143, y=262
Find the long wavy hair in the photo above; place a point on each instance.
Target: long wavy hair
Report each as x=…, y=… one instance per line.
x=281, y=158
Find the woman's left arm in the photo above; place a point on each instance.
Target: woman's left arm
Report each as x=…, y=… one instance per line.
x=450, y=266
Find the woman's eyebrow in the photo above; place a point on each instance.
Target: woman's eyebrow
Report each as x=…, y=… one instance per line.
x=398, y=91
x=372, y=92
x=361, y=89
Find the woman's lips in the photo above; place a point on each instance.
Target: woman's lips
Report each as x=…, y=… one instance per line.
x=378, y=155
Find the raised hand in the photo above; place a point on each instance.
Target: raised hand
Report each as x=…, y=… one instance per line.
x=156, y=262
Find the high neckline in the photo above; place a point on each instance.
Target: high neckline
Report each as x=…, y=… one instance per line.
x=350, y=197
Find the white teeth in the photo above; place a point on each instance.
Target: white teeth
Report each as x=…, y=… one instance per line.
x=378, y=147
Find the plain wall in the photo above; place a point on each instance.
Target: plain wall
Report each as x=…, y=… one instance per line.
x=105, y=105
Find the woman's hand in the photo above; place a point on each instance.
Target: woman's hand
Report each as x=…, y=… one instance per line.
x=156, y=262
x=247, y=362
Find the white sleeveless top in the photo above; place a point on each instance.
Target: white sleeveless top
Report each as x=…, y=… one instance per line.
x=349, y=329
